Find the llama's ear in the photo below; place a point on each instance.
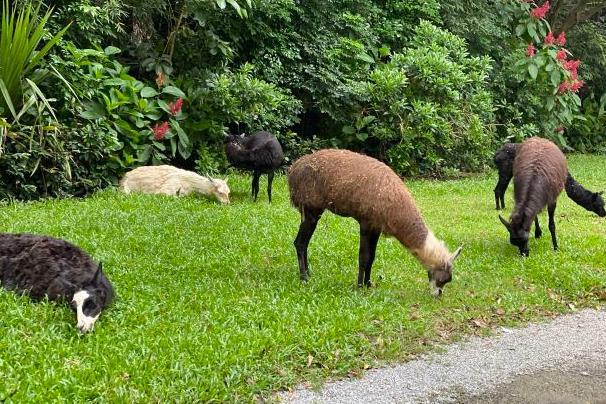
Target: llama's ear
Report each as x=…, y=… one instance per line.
x=600, y=193
x=505, y=223
x=455, y=255
x=98, y=272
x=226, y=178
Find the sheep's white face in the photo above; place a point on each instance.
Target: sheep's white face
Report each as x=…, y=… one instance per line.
x=221, y=191
x=87, y=310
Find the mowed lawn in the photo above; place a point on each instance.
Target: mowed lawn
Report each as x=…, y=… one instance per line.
x=210, y=307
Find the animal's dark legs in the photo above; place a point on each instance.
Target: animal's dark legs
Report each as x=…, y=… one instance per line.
x=255, y=184
x=551, y=211
x=368, y=247
x=499, y=190
x=270, y=178
x=306, y=230
x=537, y=229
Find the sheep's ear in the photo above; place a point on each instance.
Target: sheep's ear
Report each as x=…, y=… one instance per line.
x=455, y=255
x=505, y=223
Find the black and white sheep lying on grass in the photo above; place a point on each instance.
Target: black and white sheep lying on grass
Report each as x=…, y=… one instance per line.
x=42, y=266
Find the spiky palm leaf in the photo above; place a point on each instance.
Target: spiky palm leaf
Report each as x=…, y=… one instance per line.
x=21, y=31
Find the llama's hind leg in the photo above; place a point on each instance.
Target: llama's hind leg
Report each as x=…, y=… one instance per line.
x=537, y=229
x=309, y=221
x=368, y=246
x=255, y=184
x=270, y=178
x=551, y=211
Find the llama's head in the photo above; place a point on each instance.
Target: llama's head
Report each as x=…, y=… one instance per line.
x=439, y=275
x=518, y=235
x=220, y=190
x=435, y=257
x=89, y=301
x=235, y=139
x=597, y=204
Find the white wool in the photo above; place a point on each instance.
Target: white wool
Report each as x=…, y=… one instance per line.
x=434, y=253
x=169, y=180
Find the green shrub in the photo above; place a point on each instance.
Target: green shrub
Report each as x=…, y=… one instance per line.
x=428, y=110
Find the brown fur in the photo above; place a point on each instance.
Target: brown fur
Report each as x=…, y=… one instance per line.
x=353, y=185
x=539, y=175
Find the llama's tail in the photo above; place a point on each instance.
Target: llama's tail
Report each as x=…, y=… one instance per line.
x=592, y=201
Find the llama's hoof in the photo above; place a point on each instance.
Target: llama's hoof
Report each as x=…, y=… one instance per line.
x=304, y=278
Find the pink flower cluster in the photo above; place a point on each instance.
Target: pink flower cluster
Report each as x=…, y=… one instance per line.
x=160, y=130
x=540, y=12
x=175, y=107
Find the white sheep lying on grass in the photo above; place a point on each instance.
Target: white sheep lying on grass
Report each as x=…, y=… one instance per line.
x=169, y=180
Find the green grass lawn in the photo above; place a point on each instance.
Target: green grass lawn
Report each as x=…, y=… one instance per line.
x=210, y=307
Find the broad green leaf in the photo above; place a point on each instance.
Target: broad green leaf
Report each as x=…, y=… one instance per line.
x=520, y=29
x=111, y=50
x=173, y=91
x=148, y=92
x=533, y=70
x=348, y=130
x=555, y=77
x=362, y=136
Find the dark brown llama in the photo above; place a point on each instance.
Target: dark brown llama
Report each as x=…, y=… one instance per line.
x=353, y=185
x=503, y=159
x=539, y=175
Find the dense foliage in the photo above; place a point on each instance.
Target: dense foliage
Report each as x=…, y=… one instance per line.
x=431, y=87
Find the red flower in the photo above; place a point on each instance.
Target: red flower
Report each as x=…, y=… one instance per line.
x=531, y=50
x=160, y=130
x=574, y=87
x=563, y=87
x=561, y=39
x=572, y=66
x=540, y=12
x=561, y=55
x=549, y=39
x=175, y=107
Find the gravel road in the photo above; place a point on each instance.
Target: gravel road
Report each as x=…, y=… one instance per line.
x=561, y=361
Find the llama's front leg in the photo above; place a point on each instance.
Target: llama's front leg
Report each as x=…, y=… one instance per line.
x=537, y=229
x=499, y=190
x=551, y=211
x=270, y=178
x=255, y=184
x=309, y=221
x=368, y=246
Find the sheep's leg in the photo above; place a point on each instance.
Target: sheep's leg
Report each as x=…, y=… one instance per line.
x=368, y=246
x=499, y=190
x=306, y=230
x=551, y=210
x=537, y=229
x=270, y=178
x=255, y=184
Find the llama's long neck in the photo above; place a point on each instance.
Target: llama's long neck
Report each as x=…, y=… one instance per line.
x=193, y=182
x=412, y=232
x=433, y=253
x=581, y=196
x=237, y=154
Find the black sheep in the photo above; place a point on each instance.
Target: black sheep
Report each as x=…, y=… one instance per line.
x=503, y=159
x=44, y=266
x=260, y=153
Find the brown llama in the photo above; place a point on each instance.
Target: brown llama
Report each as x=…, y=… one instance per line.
x=539, y=175
x=353, y=185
